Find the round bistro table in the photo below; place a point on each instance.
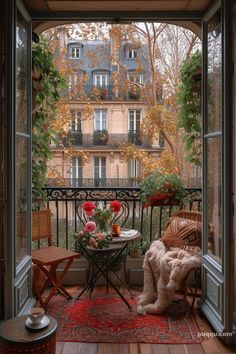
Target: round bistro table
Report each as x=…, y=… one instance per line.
x=102, y=261
x=15, y=337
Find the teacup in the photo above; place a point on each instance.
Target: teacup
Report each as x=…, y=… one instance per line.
x=36, y=314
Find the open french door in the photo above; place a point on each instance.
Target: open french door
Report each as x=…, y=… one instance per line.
x=217, y=166
x=17, y=226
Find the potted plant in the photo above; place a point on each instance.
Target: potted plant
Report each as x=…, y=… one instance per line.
x=103, y=93
x=160, y=189
x=138, y=248
x=100, y=137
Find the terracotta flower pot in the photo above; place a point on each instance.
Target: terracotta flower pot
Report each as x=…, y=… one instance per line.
x=162, y=200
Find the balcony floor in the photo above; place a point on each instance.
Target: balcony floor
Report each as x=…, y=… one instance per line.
x=208, y=346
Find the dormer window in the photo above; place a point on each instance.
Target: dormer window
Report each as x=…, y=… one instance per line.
x=100, y=80
x=75, y=52
x=132, y=54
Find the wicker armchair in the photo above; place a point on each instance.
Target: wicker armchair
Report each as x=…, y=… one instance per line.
x=186, y=288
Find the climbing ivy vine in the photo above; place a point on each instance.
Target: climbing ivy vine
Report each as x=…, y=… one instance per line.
x=45, y=98
x=189, y=99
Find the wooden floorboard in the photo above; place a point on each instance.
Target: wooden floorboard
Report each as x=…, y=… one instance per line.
x=145, y=348
x=160, y=349
x=194, y=349
x=134, y=348
x=210, y=346
x=124, y=349
x=59, y=348
x=88, y=348
x=110, y=348
x=177, y=349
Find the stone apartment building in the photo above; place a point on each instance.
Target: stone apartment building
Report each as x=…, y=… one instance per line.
x=90, y=154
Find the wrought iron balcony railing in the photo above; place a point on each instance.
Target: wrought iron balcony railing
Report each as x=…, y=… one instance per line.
x=105, y=93
x=103, y=138
x=100, y=137
x=135, y=137
x=66, y=202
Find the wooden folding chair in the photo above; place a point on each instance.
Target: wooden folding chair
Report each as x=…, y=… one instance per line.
x=47, y=259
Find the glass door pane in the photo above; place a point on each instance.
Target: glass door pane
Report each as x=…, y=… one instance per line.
x=214, y=197
x=212, y=136
x=214, y=73
x=22, y=149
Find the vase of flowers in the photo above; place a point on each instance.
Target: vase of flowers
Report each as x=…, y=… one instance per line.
x=160, y=188
x=102, y=216
x=96, y=232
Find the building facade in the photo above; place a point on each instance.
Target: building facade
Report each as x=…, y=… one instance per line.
x=90, y=153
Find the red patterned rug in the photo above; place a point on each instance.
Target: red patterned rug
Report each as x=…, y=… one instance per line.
x=106, y=319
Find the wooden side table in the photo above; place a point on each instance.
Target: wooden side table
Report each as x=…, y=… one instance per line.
x=15, y=337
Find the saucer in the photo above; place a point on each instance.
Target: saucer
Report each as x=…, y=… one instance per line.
x=44, y=323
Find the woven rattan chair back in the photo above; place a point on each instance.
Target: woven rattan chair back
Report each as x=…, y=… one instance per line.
x=190, y=215
x=41, y=225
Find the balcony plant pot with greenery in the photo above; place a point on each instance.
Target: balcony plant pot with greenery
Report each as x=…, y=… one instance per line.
x=160, y=189
x=103, y=93
x=138, y=248
x=100, y=137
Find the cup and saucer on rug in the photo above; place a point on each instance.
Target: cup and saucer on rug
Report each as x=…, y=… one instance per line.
x=37, y=319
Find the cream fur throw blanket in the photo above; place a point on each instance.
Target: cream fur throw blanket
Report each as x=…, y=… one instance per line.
x=164, y=268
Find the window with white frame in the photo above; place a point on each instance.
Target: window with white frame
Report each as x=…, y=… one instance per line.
x=100, y=120
x=76, y=121
x=134, y=77
x=75, y=52
x=100, y=80
x=99, y=167
x=134, y=168
x=132, y=54
x=76, y=168
x=134, y=120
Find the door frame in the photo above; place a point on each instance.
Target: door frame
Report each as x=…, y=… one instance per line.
x=10, y=90
x=217, y=294
x=17, y=279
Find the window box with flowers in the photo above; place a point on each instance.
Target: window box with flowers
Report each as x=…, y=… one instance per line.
x=96, y=232
x=161, y=189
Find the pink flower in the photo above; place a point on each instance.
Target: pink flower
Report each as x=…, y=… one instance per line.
x=115, y=206
x=89, y=208
x=100, y=236
x=92, y=242
x=90, y=226
x=81, y=234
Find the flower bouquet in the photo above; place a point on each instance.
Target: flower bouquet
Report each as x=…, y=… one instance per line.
x=96, y=231
x=160, y=189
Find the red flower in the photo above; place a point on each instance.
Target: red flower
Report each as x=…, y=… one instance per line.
x=115, y=206
x=89, y=208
